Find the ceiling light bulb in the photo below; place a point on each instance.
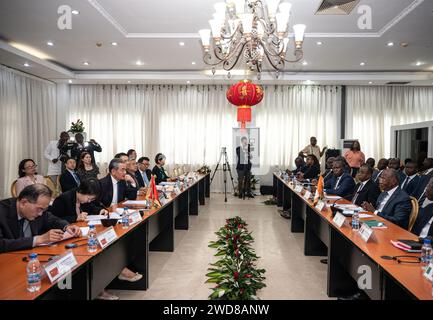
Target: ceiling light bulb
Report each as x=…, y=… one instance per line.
x=370, y=82
x=114, y=43
x=50, y=43
x=362, y=64
x=139, y=63
x=193, y=63
x=205, y=37
x=305, y=63
x=70, y=81
x=272, y=7
x=86, y=63
x=216, y=26
x=247, y=22
x=220, y=8
x=319, y=43
x=390, y=44
x=240, y=6
x=299, y=30
x=76, y=12
x=26, y=65
x=181, y=43
x=419, y=63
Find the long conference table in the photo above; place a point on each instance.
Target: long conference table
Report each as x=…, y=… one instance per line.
x=98, y=270
x=349, y=256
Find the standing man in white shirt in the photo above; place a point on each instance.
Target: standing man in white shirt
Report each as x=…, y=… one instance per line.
x=52, y=154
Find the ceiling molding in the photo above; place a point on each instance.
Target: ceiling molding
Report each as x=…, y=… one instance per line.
x=138, y=35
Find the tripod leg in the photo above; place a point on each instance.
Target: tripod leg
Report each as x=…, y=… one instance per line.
x=230, y=171
x=225, y=184
x=216, y=169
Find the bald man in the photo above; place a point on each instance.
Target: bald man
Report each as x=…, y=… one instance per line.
x=393, y=203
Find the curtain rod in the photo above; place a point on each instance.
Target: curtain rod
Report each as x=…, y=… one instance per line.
x=24, y=74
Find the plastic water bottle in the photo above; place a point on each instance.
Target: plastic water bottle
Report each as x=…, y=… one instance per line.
x=92, y=244
x=426, y=253
x=125, y=218
x=33, y=273
x=355, y=219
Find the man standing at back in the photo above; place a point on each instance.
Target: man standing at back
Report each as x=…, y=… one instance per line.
x=314, y=149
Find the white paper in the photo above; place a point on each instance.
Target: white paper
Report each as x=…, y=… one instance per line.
x=364, y=215
x=135, y=202
x=84, y=231
x=333, y=197
x=167, y=183
x=94, y=223
x=349, y=206
x=95, y=217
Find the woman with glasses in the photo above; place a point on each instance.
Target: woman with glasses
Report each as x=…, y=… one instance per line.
x=27, y=175
x=74, y=205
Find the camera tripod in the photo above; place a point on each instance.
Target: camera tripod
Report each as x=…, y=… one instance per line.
x=226, y=167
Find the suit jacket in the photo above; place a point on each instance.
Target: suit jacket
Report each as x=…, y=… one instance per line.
x=140, y=178
x=90, y=148
x=424, y=216
x=160, y=174
x=242, y=162
x=67, y=181
x=345, y=187
x=370, y=192
x=125, y=191
x=9, y=227
x=64, y=206
x=410, y=187
x=397, y=209
x=311, y=172
x=376, y=176
x=420, y=188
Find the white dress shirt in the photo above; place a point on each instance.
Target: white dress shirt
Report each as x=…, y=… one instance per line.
x=51, y=153
x=385, y=200
x=424, y=231
x=407, y=180
x=115, y=195
x=359, y=190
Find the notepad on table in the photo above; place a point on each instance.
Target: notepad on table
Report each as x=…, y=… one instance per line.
x=375, y=224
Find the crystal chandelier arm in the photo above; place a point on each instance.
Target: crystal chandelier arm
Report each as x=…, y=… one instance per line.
x=275, y=66
x=231, y=36
x=232, y=53
x=226, y=64
x=299, y=55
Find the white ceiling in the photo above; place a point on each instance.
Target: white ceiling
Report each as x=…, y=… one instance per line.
x=150, y=31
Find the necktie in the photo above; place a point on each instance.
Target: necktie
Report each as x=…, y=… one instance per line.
x=357, y=193
x=338, y=182
x=422, y=197
x=77, y=180
x=146, y=181
x=405, y=182
x=378, y=175
x=21, y=223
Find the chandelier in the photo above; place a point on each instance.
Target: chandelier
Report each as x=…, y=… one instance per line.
x=252, y=30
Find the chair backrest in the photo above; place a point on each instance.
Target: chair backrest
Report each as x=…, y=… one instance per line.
x=14, y=189
x=49, y=183
x=59, y=186
x=414, y=212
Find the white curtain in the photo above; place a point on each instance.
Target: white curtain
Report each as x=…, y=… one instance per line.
x=28, y=123
x=371, y=111
x=190, y=124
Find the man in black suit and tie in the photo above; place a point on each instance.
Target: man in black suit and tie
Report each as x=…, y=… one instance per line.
x=420, y=191
x=25, y=223
x=427, y=167
x=423, y=226
x=143, y=173
x=117, y=185
x=341, y=183
x=411, y=179
x=327, y=175
x=366, y=189
x=69, y=178
x=381, y=165
x=393, y=203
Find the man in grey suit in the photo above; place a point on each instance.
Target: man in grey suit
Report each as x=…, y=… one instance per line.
x=25, y=223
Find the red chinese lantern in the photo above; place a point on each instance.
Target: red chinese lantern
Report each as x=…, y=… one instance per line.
x=244, y=95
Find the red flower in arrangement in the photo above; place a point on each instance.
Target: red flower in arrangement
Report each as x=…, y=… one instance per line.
x=237, y=253
x=248, y=275
x=241, y=291
x=236, y=275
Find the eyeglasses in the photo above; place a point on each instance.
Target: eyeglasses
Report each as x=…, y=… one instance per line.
x=403, y=259
x=31, y=167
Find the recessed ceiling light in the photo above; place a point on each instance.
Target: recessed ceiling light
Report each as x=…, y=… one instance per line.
x=188, y=82
x=50, y=43
x=86, y=63
x=193, y=63
x=114, y=43
x=319, y=43
x=181, y=43
x=419, y=63
x=308, y=82
x=390, y=44
x=362, y=64
x=70, y=81
x=75, y=12
x=139, y=63
x=129, y=81
x=304, y=63
x=26, y=65
x=371, y=82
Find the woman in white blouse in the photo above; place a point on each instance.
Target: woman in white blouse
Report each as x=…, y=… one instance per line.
x=28, y=175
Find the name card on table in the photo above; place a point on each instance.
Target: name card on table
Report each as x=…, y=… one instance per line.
x=428, y=273
x=134, y=217
x=61, y=266
x=320, y=205
x=299, y=188
x=366, y=232
x=307, y=195
x=106, y=237
x=339, y=219
x=177, y=191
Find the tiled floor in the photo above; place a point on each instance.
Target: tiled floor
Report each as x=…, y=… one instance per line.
x=181, y=274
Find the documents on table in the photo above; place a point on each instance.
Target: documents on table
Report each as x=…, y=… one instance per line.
x=136, y=203
x=95, y=217
x=333, y=197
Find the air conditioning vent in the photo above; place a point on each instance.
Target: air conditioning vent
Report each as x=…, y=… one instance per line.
x=337, y=7
x=401, y=83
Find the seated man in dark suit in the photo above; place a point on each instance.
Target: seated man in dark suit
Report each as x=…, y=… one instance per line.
x=328, y=172
x=69, y=178
x=25, y=223
x=341, y=183
x=411, y=179
x=423, y=226
x=395, y=163
x=366, y=189
x=393, y=203
x=427, y=167
x=74, y=205
x=117, y=185
x=381, y=165
x=143, y=173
